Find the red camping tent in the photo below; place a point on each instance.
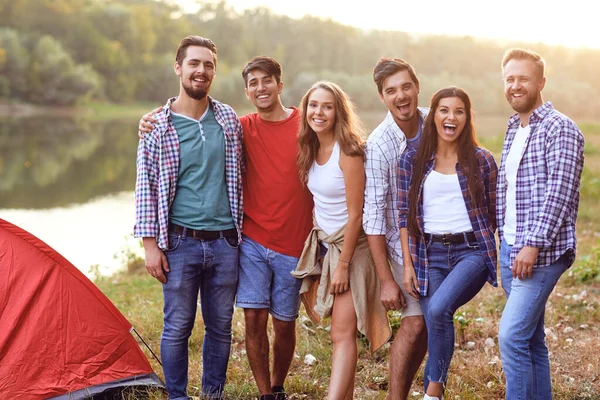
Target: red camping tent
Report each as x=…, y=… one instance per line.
x=60, y=337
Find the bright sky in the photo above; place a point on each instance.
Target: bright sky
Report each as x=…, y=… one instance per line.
x=573, y=23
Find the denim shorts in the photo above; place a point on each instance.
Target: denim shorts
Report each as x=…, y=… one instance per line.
x=266, y=281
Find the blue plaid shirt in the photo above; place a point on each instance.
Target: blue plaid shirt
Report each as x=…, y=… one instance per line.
x=483, y=218
x=547, y=188
x=158, y=168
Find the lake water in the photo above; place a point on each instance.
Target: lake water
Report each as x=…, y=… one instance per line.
x=70, y=181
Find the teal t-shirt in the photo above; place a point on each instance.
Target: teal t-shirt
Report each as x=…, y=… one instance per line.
x=201, y=201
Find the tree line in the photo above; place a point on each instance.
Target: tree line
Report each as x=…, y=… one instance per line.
x=60, y=52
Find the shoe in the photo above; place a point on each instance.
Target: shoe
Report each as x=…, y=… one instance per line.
x=428, y=397
x=279, y=393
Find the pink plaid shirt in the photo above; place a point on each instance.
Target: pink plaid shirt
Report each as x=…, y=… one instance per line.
x=158, y=167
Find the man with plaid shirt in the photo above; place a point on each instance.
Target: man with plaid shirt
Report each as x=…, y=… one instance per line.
x=189, y=213
x=398, y=88
x=537, y=204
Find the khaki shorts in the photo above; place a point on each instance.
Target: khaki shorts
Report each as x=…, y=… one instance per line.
x=413, y=306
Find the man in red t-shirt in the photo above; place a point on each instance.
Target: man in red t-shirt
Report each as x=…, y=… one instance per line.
x=277, y=220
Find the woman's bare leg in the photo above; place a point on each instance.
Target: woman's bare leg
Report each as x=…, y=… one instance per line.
x=345, y=351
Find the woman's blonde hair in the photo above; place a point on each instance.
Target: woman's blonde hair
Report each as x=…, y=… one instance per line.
x=348, y=130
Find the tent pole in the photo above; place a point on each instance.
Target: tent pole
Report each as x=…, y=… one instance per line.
x=146, y=344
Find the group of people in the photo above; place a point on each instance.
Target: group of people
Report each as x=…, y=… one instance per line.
x=405, y=221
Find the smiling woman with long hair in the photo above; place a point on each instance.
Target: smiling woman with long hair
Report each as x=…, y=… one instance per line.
x=339, y=276
x=447, y=223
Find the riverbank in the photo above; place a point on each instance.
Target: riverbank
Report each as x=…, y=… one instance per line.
x=92, y=110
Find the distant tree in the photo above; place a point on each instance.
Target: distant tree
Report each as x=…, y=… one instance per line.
x=160, y=81
x=13, y=65
x=55, y=78
x=131, y=46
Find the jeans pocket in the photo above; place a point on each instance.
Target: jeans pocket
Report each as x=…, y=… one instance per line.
x=174, y=240
x=232, y=241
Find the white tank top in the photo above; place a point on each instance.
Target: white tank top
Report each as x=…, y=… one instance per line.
x=326, y=183
x=444, y=209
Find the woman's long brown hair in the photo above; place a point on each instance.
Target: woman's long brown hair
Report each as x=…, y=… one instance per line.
x=467, y=157
x=347, y=129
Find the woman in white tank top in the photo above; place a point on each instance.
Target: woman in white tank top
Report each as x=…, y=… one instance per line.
x=447, y=222
x=331, y=164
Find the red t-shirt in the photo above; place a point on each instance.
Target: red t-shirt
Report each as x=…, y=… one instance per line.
x=277, y=208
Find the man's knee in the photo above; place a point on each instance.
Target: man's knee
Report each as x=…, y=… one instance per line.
x=256, y=322
x=284, y=328
x=178, y=330
x=413, y=327
x=219, y=327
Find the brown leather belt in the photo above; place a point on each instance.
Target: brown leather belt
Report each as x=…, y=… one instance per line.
x=200, y=234
x=452, y=238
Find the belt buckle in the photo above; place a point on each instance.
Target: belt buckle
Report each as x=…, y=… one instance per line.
x=445, y=239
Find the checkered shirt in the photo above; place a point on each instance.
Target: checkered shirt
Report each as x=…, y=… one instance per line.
x=483, y=217
x=158, y=168
x=380, y=213
x=547, y=185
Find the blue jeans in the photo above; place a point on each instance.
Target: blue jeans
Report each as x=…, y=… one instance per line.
x=211, y=268
x=457, y=272
x=266, y=281
x=521, y=337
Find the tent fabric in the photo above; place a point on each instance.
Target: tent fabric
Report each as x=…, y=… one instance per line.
x=58, y=332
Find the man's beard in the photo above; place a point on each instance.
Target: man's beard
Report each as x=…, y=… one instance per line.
x=196, y=94
x=524, y=104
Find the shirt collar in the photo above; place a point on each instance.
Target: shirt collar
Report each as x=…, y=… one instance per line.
x=538, y=114
x=389, y=119
x=167, y=106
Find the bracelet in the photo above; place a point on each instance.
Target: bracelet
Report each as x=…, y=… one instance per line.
x=344, y=261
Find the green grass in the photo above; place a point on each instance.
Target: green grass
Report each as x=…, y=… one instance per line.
x=475, y=373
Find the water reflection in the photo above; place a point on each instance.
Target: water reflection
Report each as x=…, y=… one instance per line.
x=54, y=162
x=70, y=182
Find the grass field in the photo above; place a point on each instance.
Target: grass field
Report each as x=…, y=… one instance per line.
x=572, y=322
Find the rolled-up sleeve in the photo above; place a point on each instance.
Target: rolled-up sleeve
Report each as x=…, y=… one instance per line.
x=146, y=193
x=376, y=191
